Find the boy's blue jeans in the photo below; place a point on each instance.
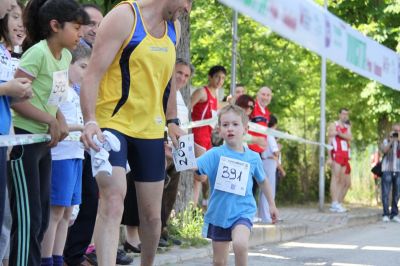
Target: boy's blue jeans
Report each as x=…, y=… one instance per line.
x=390, y=179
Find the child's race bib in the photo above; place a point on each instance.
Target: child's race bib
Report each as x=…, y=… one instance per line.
x=59, y=91
x=232, y=176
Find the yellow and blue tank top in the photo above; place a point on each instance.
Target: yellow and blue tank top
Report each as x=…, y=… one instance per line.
x=131, y=91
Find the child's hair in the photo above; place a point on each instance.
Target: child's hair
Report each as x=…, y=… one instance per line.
x=237, y=110
x=39, y=13
x=4, y=30
x=273, y=120
x=81, y=51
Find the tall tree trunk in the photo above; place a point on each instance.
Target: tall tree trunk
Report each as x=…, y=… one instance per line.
x=185, y=190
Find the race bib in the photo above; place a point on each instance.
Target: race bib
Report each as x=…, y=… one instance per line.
x=344, y=146
x=232, y=176
x=184, y=157
x=59, y=91
x=7, y=68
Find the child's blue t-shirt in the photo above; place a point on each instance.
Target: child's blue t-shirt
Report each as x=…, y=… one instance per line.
x=225, y=208
x=5, y=113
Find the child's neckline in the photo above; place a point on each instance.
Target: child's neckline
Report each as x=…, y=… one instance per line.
x=51, y=52
x=231, y=149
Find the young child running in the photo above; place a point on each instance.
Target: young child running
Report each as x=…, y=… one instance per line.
x=230, y=168
x=53, y=27
x=67, y=157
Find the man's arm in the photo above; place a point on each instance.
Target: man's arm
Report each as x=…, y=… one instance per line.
x=347, y=136
x=385, y=147
x=266, y=190
x=114, y=30
x=332, y=130
x=198, y=95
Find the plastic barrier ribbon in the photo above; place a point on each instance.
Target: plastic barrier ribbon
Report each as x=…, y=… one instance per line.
x=25, y=139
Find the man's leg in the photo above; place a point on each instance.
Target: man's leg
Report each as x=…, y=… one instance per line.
x=386, y=182
x=196, y=183
x=395, y=194
x=346, y=184
x=149, y=195
x=335, y=182
x=112, y=190
x=170, y=193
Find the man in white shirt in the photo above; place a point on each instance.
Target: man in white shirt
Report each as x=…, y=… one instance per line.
x=183, y=71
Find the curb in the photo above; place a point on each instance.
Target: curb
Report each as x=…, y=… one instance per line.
x=265, y=234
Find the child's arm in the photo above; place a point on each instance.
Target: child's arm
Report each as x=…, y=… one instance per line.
x=64, y=130
x=26, y=109
x=75, y=127
x=266, y=189
x=19, y=89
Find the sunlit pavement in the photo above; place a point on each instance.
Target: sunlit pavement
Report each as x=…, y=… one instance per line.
x=377, y=244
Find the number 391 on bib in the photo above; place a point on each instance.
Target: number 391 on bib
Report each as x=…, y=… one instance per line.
x=232, y=176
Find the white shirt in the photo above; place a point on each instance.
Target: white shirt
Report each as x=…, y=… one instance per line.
x=71, y=109
x=182, y=110
x=272, y=146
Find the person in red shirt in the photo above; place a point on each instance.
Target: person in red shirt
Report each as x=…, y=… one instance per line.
x=204, y=104
x=339, y=133
x=261, y=114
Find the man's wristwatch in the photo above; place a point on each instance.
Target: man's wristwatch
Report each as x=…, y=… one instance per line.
x=176, y=121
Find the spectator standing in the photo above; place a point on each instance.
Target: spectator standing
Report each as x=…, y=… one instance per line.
x=53, y=27
x=12, y=34
x=204, y=104
x=66, y=174
x=339, y=133
x=270, y=163
x=391, y=175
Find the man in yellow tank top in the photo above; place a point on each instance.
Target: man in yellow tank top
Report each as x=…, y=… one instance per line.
x=132, y=65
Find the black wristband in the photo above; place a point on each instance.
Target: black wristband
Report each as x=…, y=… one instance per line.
x=176, y=121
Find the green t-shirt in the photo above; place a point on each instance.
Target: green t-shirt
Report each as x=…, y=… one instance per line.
x=39, y=62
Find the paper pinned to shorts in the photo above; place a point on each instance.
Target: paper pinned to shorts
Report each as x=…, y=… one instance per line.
x=184, y=158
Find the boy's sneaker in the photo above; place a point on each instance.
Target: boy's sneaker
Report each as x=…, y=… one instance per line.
x=385, y=219
x=396, y=219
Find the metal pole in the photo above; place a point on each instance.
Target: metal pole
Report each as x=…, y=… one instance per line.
x=322, y=129
x=234, y=53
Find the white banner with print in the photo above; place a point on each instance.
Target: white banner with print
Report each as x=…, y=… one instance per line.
x=311, y=26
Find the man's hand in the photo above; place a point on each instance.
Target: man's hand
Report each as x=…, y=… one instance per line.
x=89, y=130
x=274, y=213
x=174, y=132
x=19, y=88
x=282, y=172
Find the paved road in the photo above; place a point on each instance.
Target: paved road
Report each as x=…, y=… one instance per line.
x=376, y=244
